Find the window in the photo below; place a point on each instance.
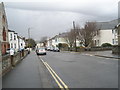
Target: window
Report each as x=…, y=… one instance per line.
x=95, y=42
x=14, y=37
x=113, y=41
x=11, y=45
x=3, y=19
x=56, y=40
x=113, y=31
x=116, y=31
x=11, y=36
x=98, y=42
x=4, y=34
x=14, y=45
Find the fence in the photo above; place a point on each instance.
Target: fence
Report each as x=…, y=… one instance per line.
x=7, y=63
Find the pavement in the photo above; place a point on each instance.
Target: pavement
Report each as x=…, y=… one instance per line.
x=29, y=73
x=105, y=54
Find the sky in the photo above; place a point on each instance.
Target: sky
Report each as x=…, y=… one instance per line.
x=51, y=17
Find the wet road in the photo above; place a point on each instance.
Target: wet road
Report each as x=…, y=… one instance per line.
x=83, y=71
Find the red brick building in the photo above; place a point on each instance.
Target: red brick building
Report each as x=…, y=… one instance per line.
x=3, y=29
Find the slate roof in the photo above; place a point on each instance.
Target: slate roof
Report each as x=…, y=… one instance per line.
x=107, y=25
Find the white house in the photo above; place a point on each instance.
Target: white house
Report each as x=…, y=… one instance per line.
x=106, y=36
x=21, y=43
x=59, y=39
x=13, y=40
x=107, y=33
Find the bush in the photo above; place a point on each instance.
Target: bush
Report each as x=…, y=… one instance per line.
x=106, y=45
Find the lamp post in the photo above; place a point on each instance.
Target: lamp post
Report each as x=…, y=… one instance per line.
x=29, y=39
x=119, y=35
x=75, y=35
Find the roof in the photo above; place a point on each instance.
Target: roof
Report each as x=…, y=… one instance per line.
x=11, y=31
x=107, y=25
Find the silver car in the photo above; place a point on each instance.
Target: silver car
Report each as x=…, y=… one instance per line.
x=41, y=51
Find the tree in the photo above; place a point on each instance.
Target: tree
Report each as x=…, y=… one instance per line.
x=31, y=43
x=43, y=40
x=87, y=33
x=70, y=38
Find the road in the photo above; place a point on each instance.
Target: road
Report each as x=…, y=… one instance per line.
x=83, y=71
x=74, y=69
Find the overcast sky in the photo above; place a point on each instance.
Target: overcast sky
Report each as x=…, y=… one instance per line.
x=50, y=17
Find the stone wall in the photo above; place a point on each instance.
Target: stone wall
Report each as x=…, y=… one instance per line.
x=7, y=64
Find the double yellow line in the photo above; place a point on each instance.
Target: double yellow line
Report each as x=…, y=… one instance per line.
x=57, y=79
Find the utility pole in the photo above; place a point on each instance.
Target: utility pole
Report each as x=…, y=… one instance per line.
x=75, y=35
x=29, y=39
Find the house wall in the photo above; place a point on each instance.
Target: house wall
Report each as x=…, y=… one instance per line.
x=3, y=29
x=106, y=36
x=16, y=42
x=21, y=43
x=13, y=40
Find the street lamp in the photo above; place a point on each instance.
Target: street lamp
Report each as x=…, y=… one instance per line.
x=75, y=35
x=29, y=39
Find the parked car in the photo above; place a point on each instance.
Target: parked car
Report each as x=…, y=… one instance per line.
x=41, y=51
x=48, y=48
x=51, y=49
x=56, y=49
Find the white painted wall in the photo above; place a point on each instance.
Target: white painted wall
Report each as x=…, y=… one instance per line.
x=106, y=36
x=13, y=40
x=21, y=43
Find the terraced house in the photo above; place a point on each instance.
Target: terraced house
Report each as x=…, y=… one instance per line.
x=3, y=29
x=13, y=40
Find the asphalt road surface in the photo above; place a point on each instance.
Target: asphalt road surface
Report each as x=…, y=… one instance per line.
x=63, y=69
x=83, y=71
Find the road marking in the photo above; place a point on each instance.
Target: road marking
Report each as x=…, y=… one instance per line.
x=66, y=87
x=55, y=76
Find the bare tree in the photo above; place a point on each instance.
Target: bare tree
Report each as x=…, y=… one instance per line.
x=70, y=38
x=87, y=33
x=43, y=40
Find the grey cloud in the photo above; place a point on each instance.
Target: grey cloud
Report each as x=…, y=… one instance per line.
x=50, y=18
